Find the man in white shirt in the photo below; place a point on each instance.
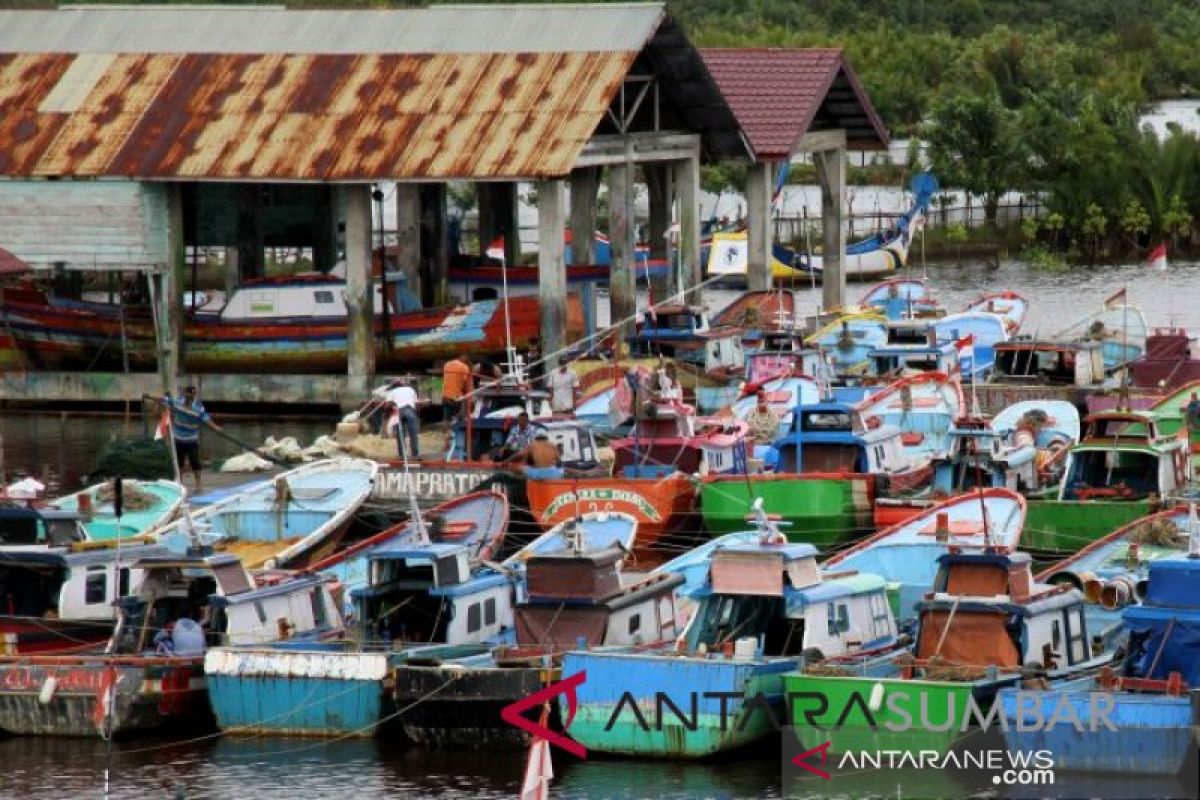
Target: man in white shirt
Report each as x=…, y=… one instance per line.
x=563, y=384
x=403, y=398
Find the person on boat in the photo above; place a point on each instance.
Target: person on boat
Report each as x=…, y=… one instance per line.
x=535, y=372
x=764, y=424
x=456, y=384
x=187, y=415
x=403, y=399
x=518, y=440
x=563, y=385
x=542, y=458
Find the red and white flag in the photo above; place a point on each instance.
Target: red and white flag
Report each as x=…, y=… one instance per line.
x=496, y=249
x=1116, y=300
x=965, y=347
x=1158, y=257
x=538, y=772
x=164, y=425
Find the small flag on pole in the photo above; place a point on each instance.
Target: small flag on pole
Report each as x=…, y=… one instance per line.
x=965, y=347
x=1158, y=257
x=163, y=430
x=1116, y=299
x=781, y=180
x=496, y=249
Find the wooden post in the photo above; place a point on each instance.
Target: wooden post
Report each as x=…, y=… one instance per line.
x=687, y=193
x=325, y=237
x=584, y=183
x=434, y=249
x=360, y=306
x=408, y=234
x=831, y=174
x=233, y=273
x=251, y=236
x=758, y=226
x=552, y=268
x=622, y=299
x=658, y=185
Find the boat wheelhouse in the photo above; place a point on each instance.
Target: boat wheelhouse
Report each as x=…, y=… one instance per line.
x=683, y=333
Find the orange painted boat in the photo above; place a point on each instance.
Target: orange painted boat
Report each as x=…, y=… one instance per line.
x=662, y=506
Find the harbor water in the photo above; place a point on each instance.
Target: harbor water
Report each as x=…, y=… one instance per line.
x=61, y=447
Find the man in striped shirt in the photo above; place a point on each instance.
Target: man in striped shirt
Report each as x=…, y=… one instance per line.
x=187, y=415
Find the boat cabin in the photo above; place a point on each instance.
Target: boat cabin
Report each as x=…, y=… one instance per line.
x=683, y=333
x=1027, y=361
x=767, y=364
x=573, y=438
x=776, y=594
x=1122, y=457
x=508, y=398
x=1162, y=627
x=427, y=593
x=22, y=527
x=971, y=458
x=295, y=607
x=900, y=360
x=298, y=297
x=986, y=611
x=581, y=596
x=1169, y=361
x=908, y=331
x=831, y=438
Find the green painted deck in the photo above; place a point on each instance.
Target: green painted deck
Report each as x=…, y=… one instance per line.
x=824, y=512
x=1063, y=527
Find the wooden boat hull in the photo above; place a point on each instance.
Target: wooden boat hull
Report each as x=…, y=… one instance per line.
x=103, y=525
x=662, y=506
x=24, y=636
x=297, y=692
x=602, y=724
x=825, y=510
x=1061, y=527
x=151, y=692
x=73, y=335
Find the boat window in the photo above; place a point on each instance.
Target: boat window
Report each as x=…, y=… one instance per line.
x=473, y=618
x=96, y=588
x=20, y=530
x=232, y=578
x=635, y=624
x=323, y=296
x=839, y=619
x=1111, y=475
x=63, y=531
x=827, y=421
x=317, y=598
x=1076, y=636
x=489, y=611
x=1055, y=634
x=123, y=582
x=880, y=615
x=262, y=613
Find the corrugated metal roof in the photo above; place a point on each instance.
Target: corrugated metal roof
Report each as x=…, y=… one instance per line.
x=538, y=28
x=303, y=117
x=780, y=95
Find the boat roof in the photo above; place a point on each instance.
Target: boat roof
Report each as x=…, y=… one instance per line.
x=1172, y=583
x=71, y=557
x=407, y=551
x=189, y=561
x=290, y=586
x=911, y=349
x=793, y=551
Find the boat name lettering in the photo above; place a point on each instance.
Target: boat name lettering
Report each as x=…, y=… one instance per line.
x=606, y=495
x=394, y=485
x=21, y=679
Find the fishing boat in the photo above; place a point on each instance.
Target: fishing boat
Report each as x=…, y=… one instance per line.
x=1120, y=470
x=151, y=673
x=764, y=607
x=893, y=361
x=572, y=596
x=1169, y=361
x=984, y=330
x=296, y=518
x=667, y=437
x=758, y=314
x=901, y=298
x=881, y=254
x=924, y=407
x=1119, y=328
x=1010, y=306
x=600, y=529
x=986, y=625
x=683, y=333
x=849, y=340
x=295, y=324
x=63, y=598
x=477, y=521
x=663, y=505
x=1036, y=369
x=906, y=554
x=145, y=506
x=472, y=280
x=1151, y=717
x=829, y=469
x=32, y=527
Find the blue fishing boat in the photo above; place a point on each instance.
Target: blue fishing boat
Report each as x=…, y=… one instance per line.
x=683, y=333
x=985, y=330
x=849, y=340
x=901, y=298
x=924, y=407
x=906, y=554
x=765, y=604
x=151, y=672
x=296, y=518
x=1147, y=693
x=901, y=360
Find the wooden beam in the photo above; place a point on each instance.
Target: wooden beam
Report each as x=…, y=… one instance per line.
x=552, y=267
x=821, y=141
x=622, y=299
x=642, y=148
x=360, y=292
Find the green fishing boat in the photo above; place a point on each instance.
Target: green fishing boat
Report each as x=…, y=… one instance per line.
x=1121, y=470
x=986, y=626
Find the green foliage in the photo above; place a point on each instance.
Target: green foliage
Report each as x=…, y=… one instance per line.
x=956, y=233
x=1044, y=258
x=723, y=177
x=1135, y=220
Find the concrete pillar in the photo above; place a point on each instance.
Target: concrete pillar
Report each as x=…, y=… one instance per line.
x=408, y=234
x=621, y=229
x=687, y=193
x=360, y=307
x=758, y=226
x=584, y=183
x=552, y=268
x=658, y=185
x=831, y=175
x=233, y=272
x=171, y=295
x=435, y=257
x=251, y=235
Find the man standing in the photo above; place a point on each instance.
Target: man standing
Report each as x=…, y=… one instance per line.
x=763, y=423
x=456, y=385
x=187, y=415
x=403, y=399
x=563, y=384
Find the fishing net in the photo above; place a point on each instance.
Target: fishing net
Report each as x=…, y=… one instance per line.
x=133, y=497
x=828, y=669
x=1161, y=533
x=137, y=458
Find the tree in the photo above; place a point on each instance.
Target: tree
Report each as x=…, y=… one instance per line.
x=975, y=144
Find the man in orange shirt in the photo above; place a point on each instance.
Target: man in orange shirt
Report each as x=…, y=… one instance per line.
x=456, y=385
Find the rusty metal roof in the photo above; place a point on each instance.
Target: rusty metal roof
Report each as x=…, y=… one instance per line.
x=83, y=95
x=779, y=95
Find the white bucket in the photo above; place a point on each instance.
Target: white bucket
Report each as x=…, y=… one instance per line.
x=745, y=648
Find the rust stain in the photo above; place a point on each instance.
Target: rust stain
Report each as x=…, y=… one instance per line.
x=309, y=117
